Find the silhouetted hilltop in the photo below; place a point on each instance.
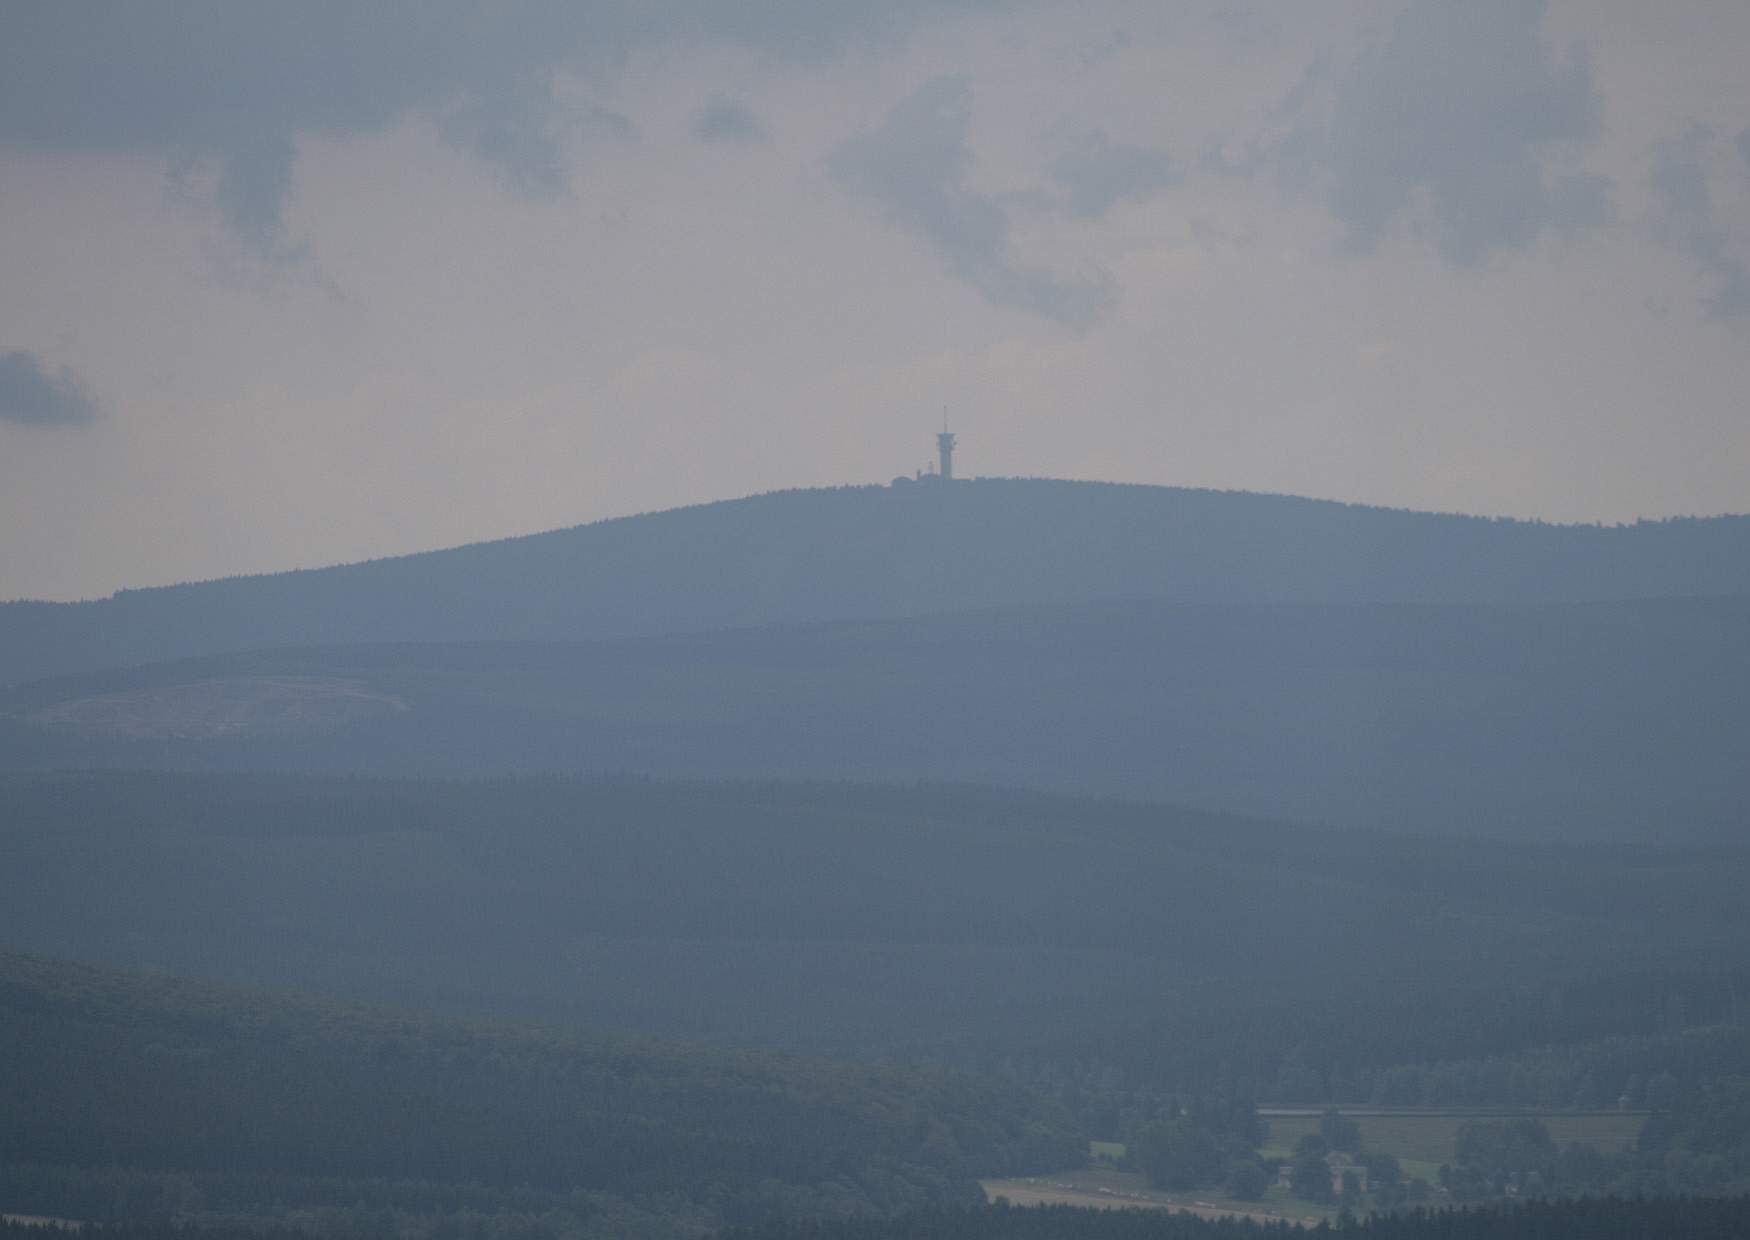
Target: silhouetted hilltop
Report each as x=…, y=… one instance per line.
x=870, y=552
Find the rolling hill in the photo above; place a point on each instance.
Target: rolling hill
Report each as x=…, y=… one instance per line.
x=147, y=1096
x=1037, y=935
x=1576, y=721
x=871, y=552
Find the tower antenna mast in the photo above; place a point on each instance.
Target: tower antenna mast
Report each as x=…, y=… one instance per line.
x=945, y=448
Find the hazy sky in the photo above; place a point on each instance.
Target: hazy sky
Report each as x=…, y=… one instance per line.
x=295, y=283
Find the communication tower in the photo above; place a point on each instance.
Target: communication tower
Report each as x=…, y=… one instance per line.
x=945, y=449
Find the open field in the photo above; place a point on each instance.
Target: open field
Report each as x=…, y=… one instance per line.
x=231, y=706
x=1116, y=1190
x=1423, y=1140
x=1420, y=1140
x=39, y=1220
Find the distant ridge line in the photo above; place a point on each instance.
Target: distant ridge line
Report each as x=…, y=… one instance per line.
x=787, y=492
x=872, y=552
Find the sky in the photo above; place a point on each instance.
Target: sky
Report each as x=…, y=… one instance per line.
x=291, y=285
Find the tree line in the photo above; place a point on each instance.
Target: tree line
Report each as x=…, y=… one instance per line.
x=1598, y=1218
x=134, y=1096
x=1093, y=950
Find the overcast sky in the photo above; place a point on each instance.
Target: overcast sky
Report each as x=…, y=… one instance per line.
x=285, y=285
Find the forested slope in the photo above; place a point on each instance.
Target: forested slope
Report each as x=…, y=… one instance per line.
x=145, y=1096
x=1591, y=1219
x=1577, y=721
x=1032, y=935
x=866, y=552
x=1595, y=1219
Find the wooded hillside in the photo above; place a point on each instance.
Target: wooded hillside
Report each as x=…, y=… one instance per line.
x=118, y=1090
x=868, y=552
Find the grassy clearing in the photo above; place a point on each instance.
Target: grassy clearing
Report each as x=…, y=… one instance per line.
x=1422, y=1142
x=1610, y=1133
x=1420, y=1169
x=1108, y=1189
x=41, y=1220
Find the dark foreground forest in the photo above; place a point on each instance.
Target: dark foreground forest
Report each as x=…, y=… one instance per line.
x=1034, y=973
x=131, y=1097
x=1595, y=1219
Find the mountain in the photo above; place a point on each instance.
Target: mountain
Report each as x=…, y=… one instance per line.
x=873, y=552
x=1089, y=945
x=1578, y=721
x=142, y=1096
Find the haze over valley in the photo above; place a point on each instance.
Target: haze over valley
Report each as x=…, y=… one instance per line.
x=486, y=753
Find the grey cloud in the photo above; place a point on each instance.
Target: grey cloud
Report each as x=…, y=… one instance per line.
x=1097, y=174
x=914, y=167
x=519, y=129
x=1744, y=145
x=254, y=183
x=1294, y=158
x=1690, y=222
x=31, y=395
x=1448, y=121
x=234, y=82
x=725, y=120
x=1292, y=150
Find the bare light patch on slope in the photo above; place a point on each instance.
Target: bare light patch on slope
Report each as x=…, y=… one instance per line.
x=237, y=706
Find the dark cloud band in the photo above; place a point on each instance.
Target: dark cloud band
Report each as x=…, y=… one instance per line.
x=1690, y=221
x=914, y=167
x=234, y=84
x=1097, y=174
x=726, y=121
x=31, y=396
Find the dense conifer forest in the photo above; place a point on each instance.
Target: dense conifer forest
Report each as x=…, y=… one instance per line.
x=1594, y=1219
x=1497, y=722
x=857, y=553
x=813, y=853
x=132, y=1097
x=1130, y=973
x=1088, y=948
x=1417, y=826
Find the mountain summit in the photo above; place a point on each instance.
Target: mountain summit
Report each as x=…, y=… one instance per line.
x=879, y=552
